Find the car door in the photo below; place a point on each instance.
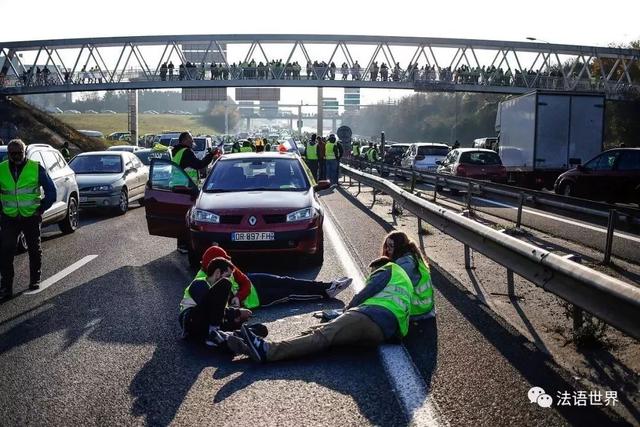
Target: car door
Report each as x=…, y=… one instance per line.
x=627, y=179
x=597, y=180
x=140, y=174
x=166, y=203
x=55, y=172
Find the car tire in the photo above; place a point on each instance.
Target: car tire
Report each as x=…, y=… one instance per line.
x=566, y=189
x=317, y=259
x=70, y=222
x=123, y=204
x=21, y=243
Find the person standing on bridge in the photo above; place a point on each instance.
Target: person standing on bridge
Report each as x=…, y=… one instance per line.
x=184, y=157
x=377, y=313
x=403, y=251
x=22, y=209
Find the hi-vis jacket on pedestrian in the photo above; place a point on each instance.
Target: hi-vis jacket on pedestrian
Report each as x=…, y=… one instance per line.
x=21, y=197
x=193, y=174
x=396, y=295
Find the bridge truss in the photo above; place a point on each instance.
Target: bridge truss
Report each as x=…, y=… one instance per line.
x=421, y=64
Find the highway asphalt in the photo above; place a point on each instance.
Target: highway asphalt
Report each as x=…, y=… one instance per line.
x=101, y=346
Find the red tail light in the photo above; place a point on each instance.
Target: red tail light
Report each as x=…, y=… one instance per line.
x=461, y=171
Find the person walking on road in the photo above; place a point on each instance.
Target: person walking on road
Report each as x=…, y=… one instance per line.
x=22, y=209
x=311, y=156
x=330, y=159
x=378, y=313
x=403, y=251
x=183, y=156
x=254, y=290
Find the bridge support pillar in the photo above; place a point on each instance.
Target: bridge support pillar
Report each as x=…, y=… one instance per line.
x=334, y=124
x=299, y=120
x=320, y=113
x=291, y=124
x=248, y=123
x=133, y=115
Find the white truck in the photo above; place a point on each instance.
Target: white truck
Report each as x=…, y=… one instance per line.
x=541, y=135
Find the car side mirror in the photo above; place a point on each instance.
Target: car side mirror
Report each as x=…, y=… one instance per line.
x=322, y=185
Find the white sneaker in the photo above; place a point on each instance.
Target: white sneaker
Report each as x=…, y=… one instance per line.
x=338, y=286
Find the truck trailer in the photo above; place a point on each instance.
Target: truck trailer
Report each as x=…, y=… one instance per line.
x=542, y=134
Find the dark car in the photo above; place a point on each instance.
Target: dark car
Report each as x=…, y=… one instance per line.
x=393, y=153
x=250, y=203
x=613, y=175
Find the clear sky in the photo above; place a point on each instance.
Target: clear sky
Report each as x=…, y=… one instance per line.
x=555, y=21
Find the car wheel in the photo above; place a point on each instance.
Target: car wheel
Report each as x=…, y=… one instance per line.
x=317, y=259
x=566, y=189
x=123, y=203
x=21, y=243
x=70, y=223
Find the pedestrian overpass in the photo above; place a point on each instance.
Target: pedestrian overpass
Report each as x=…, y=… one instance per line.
x=262, y=60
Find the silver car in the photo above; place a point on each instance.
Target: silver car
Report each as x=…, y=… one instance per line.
x=128, y=148
x=109, y=179
x=422, y=156
x=64, y=210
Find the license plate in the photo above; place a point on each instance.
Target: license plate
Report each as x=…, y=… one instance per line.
x=252, y=236
x=83, y=199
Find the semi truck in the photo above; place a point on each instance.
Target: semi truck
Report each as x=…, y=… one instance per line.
x=541, y=135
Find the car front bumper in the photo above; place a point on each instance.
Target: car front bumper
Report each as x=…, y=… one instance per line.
x=99, y=200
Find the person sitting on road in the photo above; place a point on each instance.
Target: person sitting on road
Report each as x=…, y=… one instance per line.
x=378, y=313
x=255, y=290
x=403, y=251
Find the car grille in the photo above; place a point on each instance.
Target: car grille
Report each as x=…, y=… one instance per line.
x=230, y=219
x=274, y=218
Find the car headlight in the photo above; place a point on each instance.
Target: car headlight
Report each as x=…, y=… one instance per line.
x=101, y=188
x=198, y=215
x=302, y=214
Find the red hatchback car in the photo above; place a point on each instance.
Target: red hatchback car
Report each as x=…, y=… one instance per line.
x=250, y=203
x=476, y=163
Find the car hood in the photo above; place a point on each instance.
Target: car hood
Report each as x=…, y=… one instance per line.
x=87, y=179
x=255, y=200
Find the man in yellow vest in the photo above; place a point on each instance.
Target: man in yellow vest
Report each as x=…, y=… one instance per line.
x=183, y=156
x=378, y=312
x=311, y=156
x=22, y=209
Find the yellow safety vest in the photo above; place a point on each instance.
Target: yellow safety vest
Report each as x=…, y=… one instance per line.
x=396, y=295
x=329, y=154
x=251, y=301
x=193, y=174
x=22, y=197
x=312, y=152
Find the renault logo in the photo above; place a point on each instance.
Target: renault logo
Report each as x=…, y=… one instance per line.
x=252, y=220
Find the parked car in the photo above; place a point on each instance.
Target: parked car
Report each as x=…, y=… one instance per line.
x=476, y=163
x=117, y=136
x=613, y=175
x=92, y=133
x=64, y=211
x=422, y=156
x=250, y=203
x=394, y=153
x=72, y=112
x=109, y=179
x=128, y=148
x=108, y=112
x=147, y=154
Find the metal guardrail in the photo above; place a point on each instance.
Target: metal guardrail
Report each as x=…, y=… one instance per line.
x=615, y=302
x=537, y=198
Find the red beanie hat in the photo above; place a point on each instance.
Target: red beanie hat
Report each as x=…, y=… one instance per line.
x=211, y=253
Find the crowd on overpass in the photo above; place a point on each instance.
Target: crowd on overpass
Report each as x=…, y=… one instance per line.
x=421, y=75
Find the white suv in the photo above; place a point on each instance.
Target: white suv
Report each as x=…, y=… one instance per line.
x=422, y=156
x=64, y=210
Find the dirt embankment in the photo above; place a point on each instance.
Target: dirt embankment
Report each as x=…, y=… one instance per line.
x=35, y=126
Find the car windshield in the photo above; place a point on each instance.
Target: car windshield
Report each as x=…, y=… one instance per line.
x=397, y=149
x=146, y=156
x=101, y=163
x=199, y=144
x=433, y=151
x=480, y=158
x=276, y=174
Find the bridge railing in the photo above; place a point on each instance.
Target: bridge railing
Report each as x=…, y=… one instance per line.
x=615, y=302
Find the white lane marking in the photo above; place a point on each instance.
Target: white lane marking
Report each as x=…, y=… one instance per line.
x=557, y=218
x=56, y=277
x=403, y=375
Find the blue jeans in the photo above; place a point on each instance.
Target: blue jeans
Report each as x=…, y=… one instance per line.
x=332, y=171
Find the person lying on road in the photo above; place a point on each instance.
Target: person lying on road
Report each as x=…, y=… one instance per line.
x=255, y=290
x=379, y=312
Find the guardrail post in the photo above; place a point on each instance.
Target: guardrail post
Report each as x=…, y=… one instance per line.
x=469, y=191
x=519, y=219
x=610, y=230
x=435, y=190
x=577, y=315
x=511, y=290
x=467, y=257
x=413, y=180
